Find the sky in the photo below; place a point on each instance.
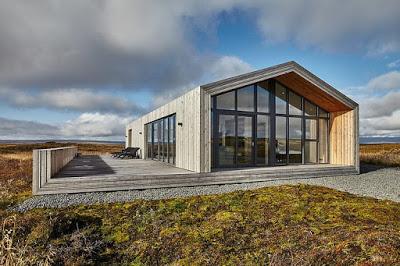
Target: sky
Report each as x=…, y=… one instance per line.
x=84, y=69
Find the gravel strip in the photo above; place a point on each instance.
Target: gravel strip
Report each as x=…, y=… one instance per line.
x=381, y=183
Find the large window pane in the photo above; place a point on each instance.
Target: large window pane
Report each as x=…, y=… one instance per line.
x=245, y=99
x=323, y=141
x=310, y=152
x=226, y=101
x=161, y=155
x=172, y=137
x=280, y=99
x=310, y=109
x=244, y=139
x=227, y=143
x=262, y=139
x=295, y=104
x=262, y=97
x=322, y=113
x=311, y=128
x=295, y=140
x=280, y=143
x=156, y=140
x=165, y=140
x=149, y=141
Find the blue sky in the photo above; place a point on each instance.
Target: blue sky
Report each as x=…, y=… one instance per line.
x=84, y=69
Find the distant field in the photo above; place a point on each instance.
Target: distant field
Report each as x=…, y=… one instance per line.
x=299, y=225
x=16, y=165
x=380, y=154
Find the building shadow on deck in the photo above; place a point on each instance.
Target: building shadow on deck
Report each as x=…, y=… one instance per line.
x=366, y=168
x=85, y=165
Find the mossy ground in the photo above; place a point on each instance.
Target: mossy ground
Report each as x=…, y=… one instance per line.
x=278, y=225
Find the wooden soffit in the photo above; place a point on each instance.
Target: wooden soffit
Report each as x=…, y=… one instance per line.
x=311, y=92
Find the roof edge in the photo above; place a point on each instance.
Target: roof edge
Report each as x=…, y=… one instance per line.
x=274, y=71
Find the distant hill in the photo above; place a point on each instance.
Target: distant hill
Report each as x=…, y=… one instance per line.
x=371, y=140
x=59, y=141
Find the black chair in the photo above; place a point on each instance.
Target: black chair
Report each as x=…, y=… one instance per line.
x=115, y=154
x=131, y=152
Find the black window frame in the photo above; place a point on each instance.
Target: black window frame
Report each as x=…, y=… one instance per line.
x=164, y=147
x=272, y=124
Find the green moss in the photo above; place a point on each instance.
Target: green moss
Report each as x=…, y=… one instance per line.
x=279, y=225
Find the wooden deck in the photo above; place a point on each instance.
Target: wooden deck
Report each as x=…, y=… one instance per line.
x=103, y=173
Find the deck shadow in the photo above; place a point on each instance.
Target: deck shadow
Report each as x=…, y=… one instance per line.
x=85, y=165
x=366, y=168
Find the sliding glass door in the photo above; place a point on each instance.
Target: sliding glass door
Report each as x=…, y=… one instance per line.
x=161, y=139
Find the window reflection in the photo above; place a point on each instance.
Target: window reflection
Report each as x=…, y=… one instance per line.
x=295, y=134
x=262, y=139
x=310, y=109
x=226, y=140
x=263, y=97
x=295, y=107
x=226, y=101
x=245, y=99
x=280, y=99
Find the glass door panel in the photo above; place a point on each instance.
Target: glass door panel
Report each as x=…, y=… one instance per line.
x=262, y=142
x=226, y=140
x=295, y=134
x=245, y=144
x=280, y=141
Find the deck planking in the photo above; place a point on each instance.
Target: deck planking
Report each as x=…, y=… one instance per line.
x=104, y=173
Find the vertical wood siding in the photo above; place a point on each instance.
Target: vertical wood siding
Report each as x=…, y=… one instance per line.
x=344, y=138
x=188, y=112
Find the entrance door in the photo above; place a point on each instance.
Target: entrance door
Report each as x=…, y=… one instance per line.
x=245, y=140
x=226, y=140
x=280, y=140
x=235, y=140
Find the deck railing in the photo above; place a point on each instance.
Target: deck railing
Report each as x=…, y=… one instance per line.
x=48, y=162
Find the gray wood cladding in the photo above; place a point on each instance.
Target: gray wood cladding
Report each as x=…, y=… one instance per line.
x=188, y=112
x=48, y=162
x=344, y=139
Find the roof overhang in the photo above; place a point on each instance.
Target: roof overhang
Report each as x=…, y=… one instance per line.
x=295, y=77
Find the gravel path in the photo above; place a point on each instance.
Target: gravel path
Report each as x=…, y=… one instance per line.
x=381, y=183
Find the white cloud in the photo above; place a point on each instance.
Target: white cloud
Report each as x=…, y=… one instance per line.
x=85, y=126
x=353, y=25
x=217, y=68
x=386, y=126
x=387, y=81
x=394, y=64
x=69, y=99
x=228, y=66
x=96, y=125
x=378, y=106
x=15, y=129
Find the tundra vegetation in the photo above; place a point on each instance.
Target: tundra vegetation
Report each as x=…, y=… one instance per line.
x=282, y=225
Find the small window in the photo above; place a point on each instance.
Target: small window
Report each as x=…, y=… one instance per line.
x=322, y=113
x=262, y=97
x=311, y=129
x=280, y=96
x=295, y=107
x=310, y=109
x=245, y=99
x=226, y=101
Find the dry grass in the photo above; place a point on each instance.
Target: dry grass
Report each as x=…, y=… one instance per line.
x=380, y=154
x=16, y=166
x=286, y=225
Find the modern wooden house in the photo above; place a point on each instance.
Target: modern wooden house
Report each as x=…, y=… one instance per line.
x=281, y=115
